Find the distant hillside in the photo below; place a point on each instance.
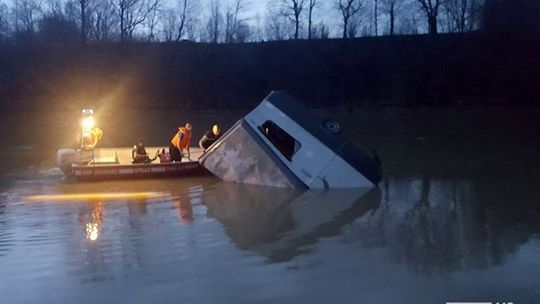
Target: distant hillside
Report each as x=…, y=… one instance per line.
x=464, y=69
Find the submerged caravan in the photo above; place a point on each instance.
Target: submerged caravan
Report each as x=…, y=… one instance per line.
x=280, y=144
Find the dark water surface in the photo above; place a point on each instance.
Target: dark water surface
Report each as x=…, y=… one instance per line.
x=457, y=218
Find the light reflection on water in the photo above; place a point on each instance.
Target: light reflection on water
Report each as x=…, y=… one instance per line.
x=93, y=196
x=204, y=231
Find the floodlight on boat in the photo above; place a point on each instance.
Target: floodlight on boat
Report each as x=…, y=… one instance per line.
x=88, y=121
x=87, y=112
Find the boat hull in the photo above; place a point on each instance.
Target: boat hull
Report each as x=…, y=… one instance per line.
x=115, y=163
x=135, y=171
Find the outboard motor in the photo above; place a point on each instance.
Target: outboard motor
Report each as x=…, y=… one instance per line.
x=65, y=158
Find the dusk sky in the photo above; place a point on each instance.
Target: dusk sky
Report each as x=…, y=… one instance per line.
x=323, y=10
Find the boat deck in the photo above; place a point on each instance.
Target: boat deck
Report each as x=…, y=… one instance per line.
x=122, y=156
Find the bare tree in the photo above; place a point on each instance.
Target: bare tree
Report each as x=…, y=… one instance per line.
x=103, y=19
x=292, y=9
x=151, y=23
x=26, y=13
x=390, y=7
x=232, y=20
x=214, y=22
x=277, y=25
x=54, y=27
x=311, y=7
x=257, y=31
x=408, y=24
x=347, y=9
x=192, y=30
x=54, y=7
x=71, y=9
x=354, y=27
x=168, y=22
x=431, y=10
x=187, y=14
x=132, y=13
x=462, y=14
x=475, y=12
x=376, y=17
x=68, y=11
x=4, y=24
x=322, y=31
x=242, y=32
x=83, y=5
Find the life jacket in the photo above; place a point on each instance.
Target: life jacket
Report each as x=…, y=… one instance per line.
x=182, y=139
x=90, y=138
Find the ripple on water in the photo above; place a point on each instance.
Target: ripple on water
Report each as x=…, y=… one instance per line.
x=6, y=239
x=6, y=235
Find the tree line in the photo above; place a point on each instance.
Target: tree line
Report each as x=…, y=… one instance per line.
x=234, y=21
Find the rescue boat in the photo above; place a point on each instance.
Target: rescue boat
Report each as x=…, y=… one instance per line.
x=115, y=163
x=281, y=144
x=88, y=162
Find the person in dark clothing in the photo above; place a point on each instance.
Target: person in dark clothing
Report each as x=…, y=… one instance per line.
x=138, y=154
x=210, y=137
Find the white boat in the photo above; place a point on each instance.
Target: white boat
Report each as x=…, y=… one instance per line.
x=280, y=144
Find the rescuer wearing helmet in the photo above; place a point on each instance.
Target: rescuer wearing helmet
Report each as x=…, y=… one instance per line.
x=210, y=137
x=180, y=141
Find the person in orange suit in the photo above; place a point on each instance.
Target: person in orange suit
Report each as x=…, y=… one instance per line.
x=180, y=142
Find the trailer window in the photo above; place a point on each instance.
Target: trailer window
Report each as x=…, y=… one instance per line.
x=283, y=141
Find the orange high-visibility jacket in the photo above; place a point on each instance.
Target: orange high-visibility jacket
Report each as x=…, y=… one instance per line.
x=90, y=143
x=182, y=139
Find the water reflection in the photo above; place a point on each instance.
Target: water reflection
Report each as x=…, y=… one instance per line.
x=92, y=220
x=420, y=223
x=281, y=223
x=407, y=230
x=100, y=231
x=120, y=235
x=433, y=226
x=75, y=197
x=184, y=208
x=440, y=226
